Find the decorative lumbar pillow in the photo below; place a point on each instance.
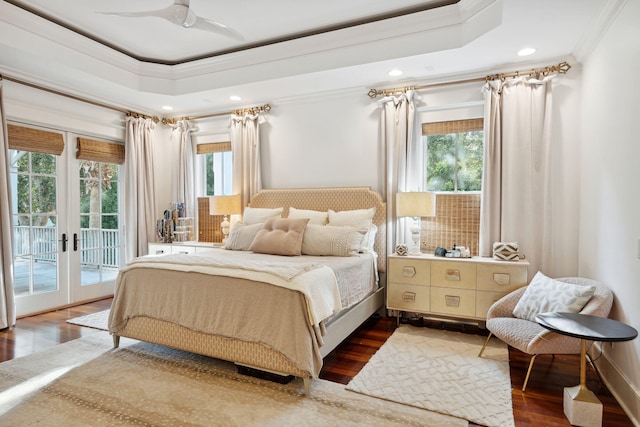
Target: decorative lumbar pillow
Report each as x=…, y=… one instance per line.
x=360, y=219
x=545, y=295
x=241, y=236
x=327, y=240
x=315, y=217
x=259, y=215
x=280, y=236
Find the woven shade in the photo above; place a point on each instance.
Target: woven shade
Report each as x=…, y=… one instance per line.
x=213, y=147
x=35, y=140
x=100, y=151
x=453, y=126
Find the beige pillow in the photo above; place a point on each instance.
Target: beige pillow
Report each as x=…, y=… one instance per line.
x=327, y=240
x=259, y=215
x=280, y=236
x=315, y=217
x=241, y=236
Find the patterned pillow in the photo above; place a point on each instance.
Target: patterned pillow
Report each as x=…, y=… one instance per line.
x=327, y=240
x=242, y=235
x=548, y=295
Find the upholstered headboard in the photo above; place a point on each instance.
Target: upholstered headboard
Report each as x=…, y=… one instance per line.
x=323, y=199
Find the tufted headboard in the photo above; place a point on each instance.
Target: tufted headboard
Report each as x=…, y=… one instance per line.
x=323, y=199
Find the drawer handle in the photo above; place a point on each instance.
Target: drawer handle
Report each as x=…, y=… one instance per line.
x=409, y=297
x=452, y=300
x=452, y=275
x=408, y=271
x=159, y=251
x=502, y=278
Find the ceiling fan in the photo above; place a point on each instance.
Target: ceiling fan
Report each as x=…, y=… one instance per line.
x=180, y=13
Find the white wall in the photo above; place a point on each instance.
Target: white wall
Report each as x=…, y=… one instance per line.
x=610, y=199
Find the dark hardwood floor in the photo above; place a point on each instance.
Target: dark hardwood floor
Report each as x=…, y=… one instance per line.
x=540, y=405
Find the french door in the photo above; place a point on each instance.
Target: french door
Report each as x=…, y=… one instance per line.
x=67, y=238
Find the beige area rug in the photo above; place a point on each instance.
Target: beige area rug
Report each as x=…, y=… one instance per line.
x=99, y=320
x=440, y=371
x=87, y=383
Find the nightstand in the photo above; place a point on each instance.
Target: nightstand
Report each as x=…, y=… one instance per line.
x=460, y=288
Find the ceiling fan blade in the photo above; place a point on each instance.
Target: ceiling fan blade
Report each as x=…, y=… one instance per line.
x=148, y=13
x=216, y=27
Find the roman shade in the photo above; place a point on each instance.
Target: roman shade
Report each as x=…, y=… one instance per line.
x=452, y=126
x=100, y=151
x=35, y=140
x=213, y=147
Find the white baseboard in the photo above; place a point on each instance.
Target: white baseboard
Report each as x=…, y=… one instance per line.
x=627, y=397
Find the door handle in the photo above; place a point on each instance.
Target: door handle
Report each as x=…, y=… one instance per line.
x=75, y=242
x=64, y=242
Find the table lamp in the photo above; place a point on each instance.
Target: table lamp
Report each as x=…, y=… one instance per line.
x=415, y=204
x=225, y=205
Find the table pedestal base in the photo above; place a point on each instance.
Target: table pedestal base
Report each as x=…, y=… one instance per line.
x=582, y=407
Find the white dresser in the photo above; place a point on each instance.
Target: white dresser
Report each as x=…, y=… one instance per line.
x=181, y=248
x=461, y=288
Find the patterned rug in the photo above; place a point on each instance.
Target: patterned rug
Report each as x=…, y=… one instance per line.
x=440, y=371
x=97, y=320
x=86, y=383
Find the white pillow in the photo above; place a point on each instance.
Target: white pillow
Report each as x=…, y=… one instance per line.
x=241, y=236
x=360, y=219
x=315, y=217
x=259, y=215
x=327, y=240
x=545, y=295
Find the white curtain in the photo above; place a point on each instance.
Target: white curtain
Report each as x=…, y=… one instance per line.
x=245, y=152
x=404, y=159
x=516, y=187
x=7, y=304
x=140, y=202
x=186, y=183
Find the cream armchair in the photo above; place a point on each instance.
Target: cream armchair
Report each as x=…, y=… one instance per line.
x=531, y=338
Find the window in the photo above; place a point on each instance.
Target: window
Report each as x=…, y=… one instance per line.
x=454, y=151
x=217, y=167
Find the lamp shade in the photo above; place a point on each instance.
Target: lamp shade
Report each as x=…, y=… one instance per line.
x=416, y=204
x=225, y=205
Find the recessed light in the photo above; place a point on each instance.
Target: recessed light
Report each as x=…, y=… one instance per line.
x=526, y=51
x=167, y=107
x=395, y=72
x=235, y=98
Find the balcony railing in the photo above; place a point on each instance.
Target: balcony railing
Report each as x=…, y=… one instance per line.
x=97, y=247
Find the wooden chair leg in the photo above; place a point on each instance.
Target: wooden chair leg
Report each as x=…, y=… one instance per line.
x=526, y=379
x=484, y=345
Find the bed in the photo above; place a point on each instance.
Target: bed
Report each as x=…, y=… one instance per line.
x=282, y=321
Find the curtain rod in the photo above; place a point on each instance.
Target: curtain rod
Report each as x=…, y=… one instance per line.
x=561, y=68
x=249, y=110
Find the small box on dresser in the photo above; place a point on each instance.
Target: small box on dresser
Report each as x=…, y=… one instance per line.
x=461, y=288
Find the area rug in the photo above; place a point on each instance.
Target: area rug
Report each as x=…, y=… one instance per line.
x=441, y=371
x=87, y=383
x=97, y=320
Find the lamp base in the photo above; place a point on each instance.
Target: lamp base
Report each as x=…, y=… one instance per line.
x=415, y=237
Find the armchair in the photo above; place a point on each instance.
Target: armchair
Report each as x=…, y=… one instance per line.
x=531, y=338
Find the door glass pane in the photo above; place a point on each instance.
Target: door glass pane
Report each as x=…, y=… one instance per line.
x=100, y=243
x=33, y=186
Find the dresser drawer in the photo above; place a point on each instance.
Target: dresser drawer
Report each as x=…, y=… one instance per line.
x=179, y=249
x=407, y=270
x=501, y=278
x=484, y=300
x=407, y=297
x=159, y=249
x=459, y=275
x=454, y=302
